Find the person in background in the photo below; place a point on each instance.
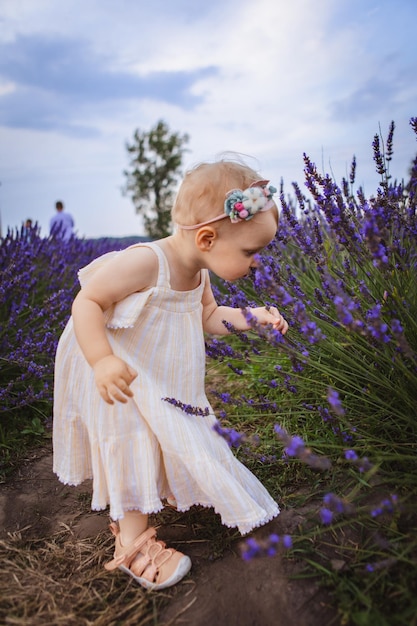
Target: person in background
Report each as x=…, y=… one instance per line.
x=61, y=224
x=27, y=229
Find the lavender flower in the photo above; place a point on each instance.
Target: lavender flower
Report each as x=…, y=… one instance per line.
x=35, y=304
x=333, y=507
x=232, y=436
x=255, y=548
x=295, y=446
x=362, y=464
x=335, y=402
x=326, y=516
x=188, y=408
x=387, y=505
x=350, y=455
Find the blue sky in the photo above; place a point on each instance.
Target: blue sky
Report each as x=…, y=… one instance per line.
x=270, y=79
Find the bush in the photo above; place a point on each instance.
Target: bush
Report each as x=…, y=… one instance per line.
x=38, y=283
x=343, y=271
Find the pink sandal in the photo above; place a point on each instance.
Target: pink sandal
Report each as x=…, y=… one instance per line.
x=148, y=561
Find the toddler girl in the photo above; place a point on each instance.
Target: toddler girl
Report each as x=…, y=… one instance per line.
x=135, y=341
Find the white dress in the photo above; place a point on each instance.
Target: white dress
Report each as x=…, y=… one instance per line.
x=147, y=449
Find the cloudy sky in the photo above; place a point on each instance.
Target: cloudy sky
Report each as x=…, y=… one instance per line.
x=267, y=78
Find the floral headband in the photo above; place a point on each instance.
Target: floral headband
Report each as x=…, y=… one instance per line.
x=243, y=205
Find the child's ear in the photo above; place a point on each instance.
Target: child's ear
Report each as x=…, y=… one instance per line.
x=205, y=238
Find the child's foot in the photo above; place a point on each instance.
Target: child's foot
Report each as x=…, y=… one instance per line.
x=148, y=561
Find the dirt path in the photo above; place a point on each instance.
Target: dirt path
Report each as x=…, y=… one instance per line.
x=219, y=591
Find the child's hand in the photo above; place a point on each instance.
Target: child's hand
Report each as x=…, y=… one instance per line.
x=271, y=315
x=113, y=377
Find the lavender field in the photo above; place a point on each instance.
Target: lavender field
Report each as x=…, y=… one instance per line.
x=326, y=414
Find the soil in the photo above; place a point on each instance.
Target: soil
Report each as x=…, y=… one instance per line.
x=221, y=588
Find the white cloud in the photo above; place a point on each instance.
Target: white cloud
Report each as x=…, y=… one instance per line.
x=6, y=88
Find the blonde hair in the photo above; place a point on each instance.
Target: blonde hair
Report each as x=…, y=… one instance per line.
x=203, y=190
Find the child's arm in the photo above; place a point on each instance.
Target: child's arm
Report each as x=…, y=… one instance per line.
x=213, y=316
x=133, y=270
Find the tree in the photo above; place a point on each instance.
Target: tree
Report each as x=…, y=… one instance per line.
x=155, y=166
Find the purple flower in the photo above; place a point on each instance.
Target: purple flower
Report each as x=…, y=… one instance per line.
x=326, y=516
x=350, y=455
x=295, y=446
x=396, y=327
x=255, y=548
x=188, y=408
x=232, y=436
x=334, y=505
x=335, y=402
x=387, y=505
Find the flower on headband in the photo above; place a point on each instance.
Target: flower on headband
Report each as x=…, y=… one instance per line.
x=243, y=205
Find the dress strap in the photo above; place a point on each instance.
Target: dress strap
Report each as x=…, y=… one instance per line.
x=164, y=276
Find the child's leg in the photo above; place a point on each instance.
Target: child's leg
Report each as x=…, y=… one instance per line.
x=171, y=501
x=133, y=524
